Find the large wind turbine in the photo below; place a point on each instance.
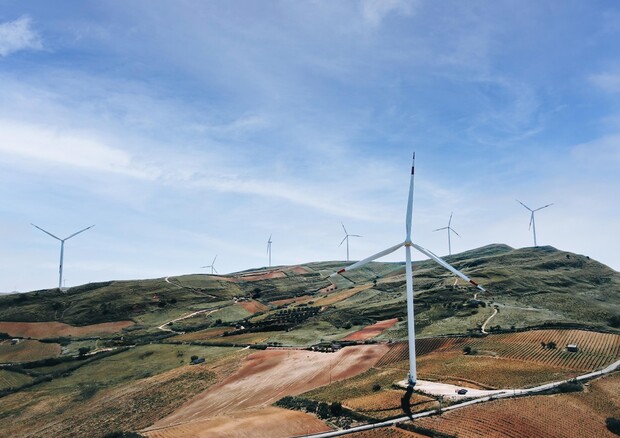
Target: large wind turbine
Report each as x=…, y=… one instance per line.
x=212, y=266
x=532, y=222
x=269, y=242
x=449, y=228
x=346, y=237
x=409, y=275
x=62, y=248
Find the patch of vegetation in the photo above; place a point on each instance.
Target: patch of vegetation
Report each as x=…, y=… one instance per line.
x=613, y=425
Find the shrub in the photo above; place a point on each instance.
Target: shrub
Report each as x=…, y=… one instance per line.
x=571, y=386
x=613, y=425
x=83, y=350
x=614, y=321
x=120, y=434
x=467, y=349
x=323, y=410
x=376, y=387
x=193, y=358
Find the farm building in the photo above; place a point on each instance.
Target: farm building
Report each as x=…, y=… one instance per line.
x=572, y=347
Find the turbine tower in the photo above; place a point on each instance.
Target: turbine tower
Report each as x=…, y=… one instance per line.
x=412, y=378
x=269, y=242
x=346, y=237
x=449, y=228
x=532, y=222
x=212, y=266
x=62, y=248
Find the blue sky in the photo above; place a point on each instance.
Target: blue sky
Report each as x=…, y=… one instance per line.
x=188, y=129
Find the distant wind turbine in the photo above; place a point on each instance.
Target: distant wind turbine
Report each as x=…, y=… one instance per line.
x=532, y=222
x=449, y=228
x=62, y=248
x=409, y=276
x=212, y=266
x=346, y=237
x=269, y=242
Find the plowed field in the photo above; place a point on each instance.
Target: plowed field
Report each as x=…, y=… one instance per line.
x=55, y=329
x=371, y=331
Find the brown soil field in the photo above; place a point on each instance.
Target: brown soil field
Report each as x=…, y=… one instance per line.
x=27, y=350
x=386, y=432
x=265, y=276
x=298, y=270
x=55, y=329
x=244, y=338
x=264, y=378
x=264, y=422
x=386, y=404
x=595, y=349
x=562, y=415
x=253, y=306
x=340, y=296
x=371, y=331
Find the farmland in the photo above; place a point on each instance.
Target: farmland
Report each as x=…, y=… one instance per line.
x=560, y=415
x=27, y=350
x=9, y=379
x=41, y=330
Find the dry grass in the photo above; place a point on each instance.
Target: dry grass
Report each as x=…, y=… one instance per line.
x=28, y=350
x=41, y=330
x=341, y=296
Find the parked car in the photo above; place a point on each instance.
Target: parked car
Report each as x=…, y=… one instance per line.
x=461, y=391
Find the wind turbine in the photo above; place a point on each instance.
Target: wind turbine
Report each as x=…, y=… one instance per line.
x=269, y=242
x=212, y=266
x=449, y=228
x=409, y=276
x=62, y=248
x=532, y=222
x=346, y=237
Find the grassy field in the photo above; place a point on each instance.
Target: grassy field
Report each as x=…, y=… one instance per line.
x=9, y=379
x=27, y=350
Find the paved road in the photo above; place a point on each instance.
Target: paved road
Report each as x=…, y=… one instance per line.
x=505, y=394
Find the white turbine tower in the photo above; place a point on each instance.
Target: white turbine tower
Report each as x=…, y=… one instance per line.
x=409, y=276
x=269, y=242
x=532, y=222
x=346, y=237
x=449, y=228
x=62, y=248
x=212, y=266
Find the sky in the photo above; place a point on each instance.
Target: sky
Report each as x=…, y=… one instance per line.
x=189, y=129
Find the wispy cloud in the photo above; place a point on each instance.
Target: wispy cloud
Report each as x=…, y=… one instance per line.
x=375, y=11
x=608, y=81
x=18, y=35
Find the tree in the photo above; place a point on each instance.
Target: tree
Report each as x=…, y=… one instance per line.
x=322, y=410
x=376, y=387
x=83, y=350
x=467, y=349
x=336, y=409
x=193, y=358
x=551, y=345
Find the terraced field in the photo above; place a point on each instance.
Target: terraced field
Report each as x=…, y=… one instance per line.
x=9, y=379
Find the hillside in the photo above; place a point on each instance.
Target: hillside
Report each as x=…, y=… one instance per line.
x=119, y=354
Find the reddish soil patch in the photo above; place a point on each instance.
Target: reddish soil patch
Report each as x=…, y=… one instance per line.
x=201, y=335
x=262, y=276
x=263, y=422
x=253, y=306
x=57, y=329
x=298, y=270
x=27, y=350
x=264, y=378
x=371, y=331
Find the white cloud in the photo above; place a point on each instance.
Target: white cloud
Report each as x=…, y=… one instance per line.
x=53, y=146
x=375, y=11
x=604, y=151
x=18, y=35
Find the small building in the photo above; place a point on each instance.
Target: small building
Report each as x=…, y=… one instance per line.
x=197, y=361
x=14, y=341
x=572, y=348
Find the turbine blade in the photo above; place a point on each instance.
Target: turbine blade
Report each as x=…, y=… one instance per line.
x=215, y=270
x=46, y=232
x=213, y=262
x=447, y=266
x=81, y=231
x=369, y=259
x=531, y=220
x=439, y=229
x=410, y=201
x=345, y=238
x=452, y=229
x=524, y=205
x=345, y=230
x=450, y=220
x=543, y=207
x=354, y=235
